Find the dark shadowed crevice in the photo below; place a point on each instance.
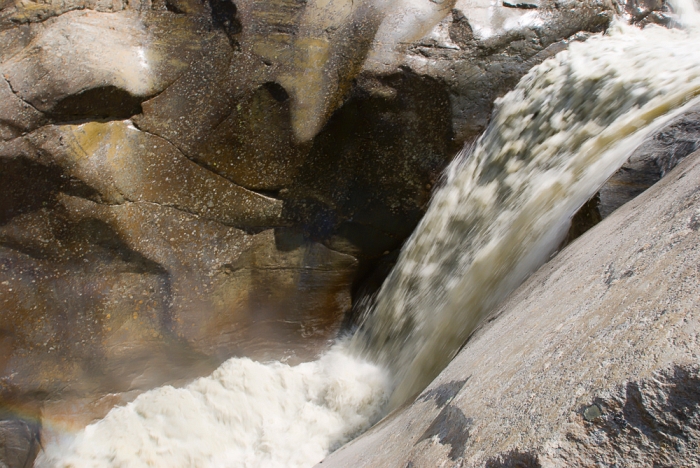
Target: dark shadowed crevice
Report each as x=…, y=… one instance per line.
x=26, y=186
x=277, y=92
x=107, y=102
x=173, y=7
x=223, y=15
x=514, y=459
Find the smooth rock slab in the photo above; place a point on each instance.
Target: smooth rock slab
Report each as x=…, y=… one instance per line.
x=594, y=360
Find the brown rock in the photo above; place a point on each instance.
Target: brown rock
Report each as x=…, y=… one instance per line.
x=121, y=163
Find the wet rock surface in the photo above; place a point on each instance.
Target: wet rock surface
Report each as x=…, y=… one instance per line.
x=19, y=443
x=185, y=181
x=592, y=361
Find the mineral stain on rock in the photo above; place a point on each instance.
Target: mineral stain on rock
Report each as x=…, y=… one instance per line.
x=591, y=413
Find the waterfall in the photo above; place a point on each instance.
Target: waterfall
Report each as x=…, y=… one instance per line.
x=506, y=204
x=503, y=209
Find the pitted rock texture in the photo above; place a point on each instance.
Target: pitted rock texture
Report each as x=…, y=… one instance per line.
x=185, y=181
x=593, y=361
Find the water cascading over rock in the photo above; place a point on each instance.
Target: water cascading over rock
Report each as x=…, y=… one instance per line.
x=505, y=204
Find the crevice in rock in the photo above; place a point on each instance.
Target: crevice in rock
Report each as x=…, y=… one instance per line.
x=270, y=194
x=173, y=7
x=28, y=186
x=104, y=103
x=9, y=84
x=223, y=15
x=276, y=90
x=514, y=459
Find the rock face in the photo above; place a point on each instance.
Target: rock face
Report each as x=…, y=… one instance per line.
x=592, y=362
x=183, y=181
x=19, y=443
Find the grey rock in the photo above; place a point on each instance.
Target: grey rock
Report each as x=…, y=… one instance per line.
x=610, y=322
x=16, y=116
x=19, y=443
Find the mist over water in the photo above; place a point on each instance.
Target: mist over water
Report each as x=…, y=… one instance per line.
x=504, y=208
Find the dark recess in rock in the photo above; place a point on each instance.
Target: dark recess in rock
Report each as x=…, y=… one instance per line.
x=584, y=219
x=174, y=7
x=514, y=459
x=276, y=91
x=362, y=188
x=27, y=186
x=223, y=15
x=529, y=4
x=109, y=103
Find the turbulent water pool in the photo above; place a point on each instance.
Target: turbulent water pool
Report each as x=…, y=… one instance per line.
x=504, y=208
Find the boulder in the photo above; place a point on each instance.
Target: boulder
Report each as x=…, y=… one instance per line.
x=592, y=361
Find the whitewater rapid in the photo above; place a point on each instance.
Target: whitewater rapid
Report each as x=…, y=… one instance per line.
x=504, y=208
x=246, y=414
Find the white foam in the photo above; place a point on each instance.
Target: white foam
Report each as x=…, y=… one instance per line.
x=246, y=414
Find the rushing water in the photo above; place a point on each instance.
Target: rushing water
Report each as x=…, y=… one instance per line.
x=506, y=203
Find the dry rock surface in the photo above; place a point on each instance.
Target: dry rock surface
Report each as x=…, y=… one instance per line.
x=592, y=362
x=182, y=181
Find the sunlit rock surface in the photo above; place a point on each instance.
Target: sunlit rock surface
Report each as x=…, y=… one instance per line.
x=184, y=181
x=592, y=361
